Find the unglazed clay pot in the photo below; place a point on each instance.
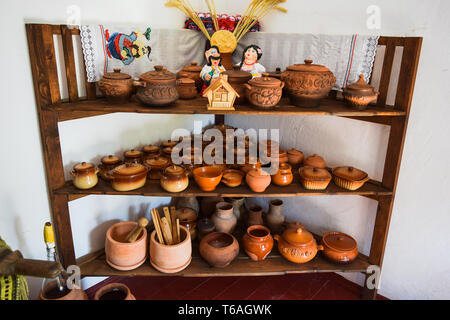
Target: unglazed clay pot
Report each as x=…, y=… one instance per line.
x=128, y=176
x=224, y=218
x=307, y=84
x=114, y=291
x=188, y=218
x=349, y=178
x=84, y=175
x=157, y=165
x=171, y=258
x=339, y=247
x=186, y=88
x=157, y=88
x=297, y=245
x=116, y=86
x=313, y=178
x=133, y=156
x=238, y=79
x=264, y=92
x=208, y=177
x=284, y=175
x=108, y=164
x=315, y=161
x=192, y=71
x=258, y=180
x=68, y=294
x=219, y=249
x=258, y=242
x=174, y=179
x=254, y=216
x=359, y=94
x=275, y=217
x=232, y=178
x=238, y=206
x=295, y=157
x=120, y=254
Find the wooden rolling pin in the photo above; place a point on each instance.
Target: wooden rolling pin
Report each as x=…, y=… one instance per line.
x=134, y=234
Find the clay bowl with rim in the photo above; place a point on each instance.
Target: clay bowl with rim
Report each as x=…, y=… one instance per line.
x=120, y=254
x=219, y=249
x=171, y=258
x=207, y=177
x=258, y=242
x=114, y=291
x=232, y=178
x=128, y=176
x=339, y=247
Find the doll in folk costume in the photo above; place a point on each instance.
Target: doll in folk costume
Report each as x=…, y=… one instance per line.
x=250, y=58
x=213, y=68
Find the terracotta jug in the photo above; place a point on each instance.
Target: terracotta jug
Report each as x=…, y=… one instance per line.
x=275, y=217
x=238, y=206
x=224, y=218
x=254, y=216
x=114, y=291
x=258, y=242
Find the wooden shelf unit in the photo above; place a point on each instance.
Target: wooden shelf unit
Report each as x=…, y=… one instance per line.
x=52, y=109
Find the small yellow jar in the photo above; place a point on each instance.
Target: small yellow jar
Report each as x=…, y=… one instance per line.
x=84, y=175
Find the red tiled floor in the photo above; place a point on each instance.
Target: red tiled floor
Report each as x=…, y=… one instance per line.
x=305, y=286
x=241, y=289
x=211, y=288
x=333, y=290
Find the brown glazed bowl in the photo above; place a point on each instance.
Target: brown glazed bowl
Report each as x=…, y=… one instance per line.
x=157, y=88
x=232, y=177
x=108, y=164
x=264, y=92
x=308, y=84
x=339, y=247
x=116, y=86
x=258, y=242
x=359, y=94
x=128, y=176
x=186, y=88
x=314, y=178
x=192, y=71
x=349, y=178
x=219, y=249
x=238, y=79
x=208, y=177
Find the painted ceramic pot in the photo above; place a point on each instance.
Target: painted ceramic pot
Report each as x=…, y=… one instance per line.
x=297, y=245
x=314, y=178
x=186, y=88
x=188, y=218
x=219, y=249
x=339, y=247
x=265, y=91
x=258, y=180
x=257, y=242
x=284, y=175
x=174, y=179
x=150, y=151
x=315, y=161
x=84, y=175
x=108, y=164
x=275, y=217
x=232, y=178
x=295, y=157
x=192, y=71
x=47, y=293
x=238, y=79
x=116, y=86
x=254, y=216
x=208, y=177
x=157, y=88
x=128, y=176
x=359, y=94
x=157, y=166
x=114, y=291
x=308, y=84
x=171, y=258
x=133, y=156
x=120, y=254
x=349, y=178
x=224, y=218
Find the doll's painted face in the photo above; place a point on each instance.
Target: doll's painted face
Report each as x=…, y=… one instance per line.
x=215, y=60
x=251, y=55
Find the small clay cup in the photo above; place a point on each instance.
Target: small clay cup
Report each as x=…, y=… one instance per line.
x=219, y=249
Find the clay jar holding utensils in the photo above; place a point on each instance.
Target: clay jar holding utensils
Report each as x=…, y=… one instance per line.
x=219, y=249
x=257, y=242
x=84, y=175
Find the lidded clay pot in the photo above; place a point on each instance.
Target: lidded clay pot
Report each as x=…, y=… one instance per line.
x=258, y=242
x=116, y=86
x=133, y=156
x=238, y=79
x=339, y=247
x=188, y=218
x=192, y=71
x=114, y=291
x=157, y=88
x=308, y=84
x=224, y=218
x=295, y=157
x=156, y=166
x=284, y=175
x=219, y=249
x=150, y=151
x=186, y=88
x=314, y=178
x=128, y=176
x=315, y=161
x=174, y=179
x=297, y=245
x=265, y=91
x=349, y=178
x=84, y=175
x=108, y=164
x=360, y=94
x=258, y=180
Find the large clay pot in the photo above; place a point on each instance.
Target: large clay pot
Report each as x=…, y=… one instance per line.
x=224, y=218
x=128, y=176
x=307, y=84
x=114, y=291
x=297, y=245
x=254, y=216
x=192, y=71
x=219, y=249
x=68, y=294
x=339, y=247
x=122, y=255
x=237, y=79
x=116, y=86
x=157, y=88
x=258, y=242
x=275, y=217
x=264, y=92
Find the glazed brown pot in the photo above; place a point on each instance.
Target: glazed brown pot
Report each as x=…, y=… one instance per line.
x=258, y=242
x=133, y=156
x=120, y=254
x=116, y=86
x=339, y=247
x=129, y=176
x=284, y=175
x=349, y=178
x=156, y=165
x=208, y=177
x=295, y=157
x=232, y=177
x=258, y=180
x=186, y=88
x=150, y=151
x=264, y=92
x=315, y=161
x=359, y=94
x=192, y=71
x=188, y=218
x=174, y=179
x=219, y=249
x=314, y=178
x=224, y=218
x=254, y=216
x=157, y=88
x=238, y=79
x=114, y=291
x=307, y=84
x=297, y=245
x=84, y=175
x=108, y=164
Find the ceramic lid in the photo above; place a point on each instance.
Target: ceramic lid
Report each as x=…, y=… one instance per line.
x=360, y=86
x=170, y=143
x=339, y=241
x=158, y=74
x=83, y=166
x=129, y=169
x=174, y=170
x=294, y=151
x=298, y=236
x=133, y=153
x=308, y=67
x=186, y=82
x=238, y=73
x=350, y=173
x=313, y=173
x=265, y=81
x=258, y=173
x=116, y=75
x=150, y=149
x=157, y=162
x=284, y=167
x=315, y=161
x=110, y=160
x=193, y=67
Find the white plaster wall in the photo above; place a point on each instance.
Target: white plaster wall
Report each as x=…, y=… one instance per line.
x=416, y=265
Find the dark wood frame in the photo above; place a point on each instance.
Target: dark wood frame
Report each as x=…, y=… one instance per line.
x=52, y=110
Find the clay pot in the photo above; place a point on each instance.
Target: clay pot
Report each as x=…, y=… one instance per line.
x=120, y=254
x=114, y=291
x=128, y=176
x=238, y=206
x=307, y=84
x=157, y=88
x=315, y=161
x=157, y=166
x=133, y=156
x=275, y=217
x=219, y=249
x=68, y=294
x=254, y=216
x=192, y=71
x=108, y=164
x=349, y=178
x=232, y=178
x=238, y=79
x=116, y=86
x=297, y=245
x=314, y=178
x=84, y=175
x=150, y=151
x=205, y=226
x=188, y=218
x=188, y=202
x=186, y=88
x=174, y=179
x=208, y=205
x=258, y=242
x=284, y=175
x=258, y=180
x=339, y=247
x=208, y=177
x=224, y=218
x=249, y=165
x=359, y=94
x=171, y=258
x=295, y=157
x=170, y=143
x=264, y=92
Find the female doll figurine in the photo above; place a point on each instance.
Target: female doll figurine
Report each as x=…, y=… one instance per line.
x=250, y=58
x=213, y=68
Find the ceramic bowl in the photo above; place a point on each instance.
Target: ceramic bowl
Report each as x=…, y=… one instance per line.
x=208, y=177
x=219, y=249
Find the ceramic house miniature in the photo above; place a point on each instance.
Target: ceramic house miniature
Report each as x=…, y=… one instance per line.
x=221, y=94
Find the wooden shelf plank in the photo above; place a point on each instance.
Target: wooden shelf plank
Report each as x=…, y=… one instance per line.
x=152, y=188
x=329, y=107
